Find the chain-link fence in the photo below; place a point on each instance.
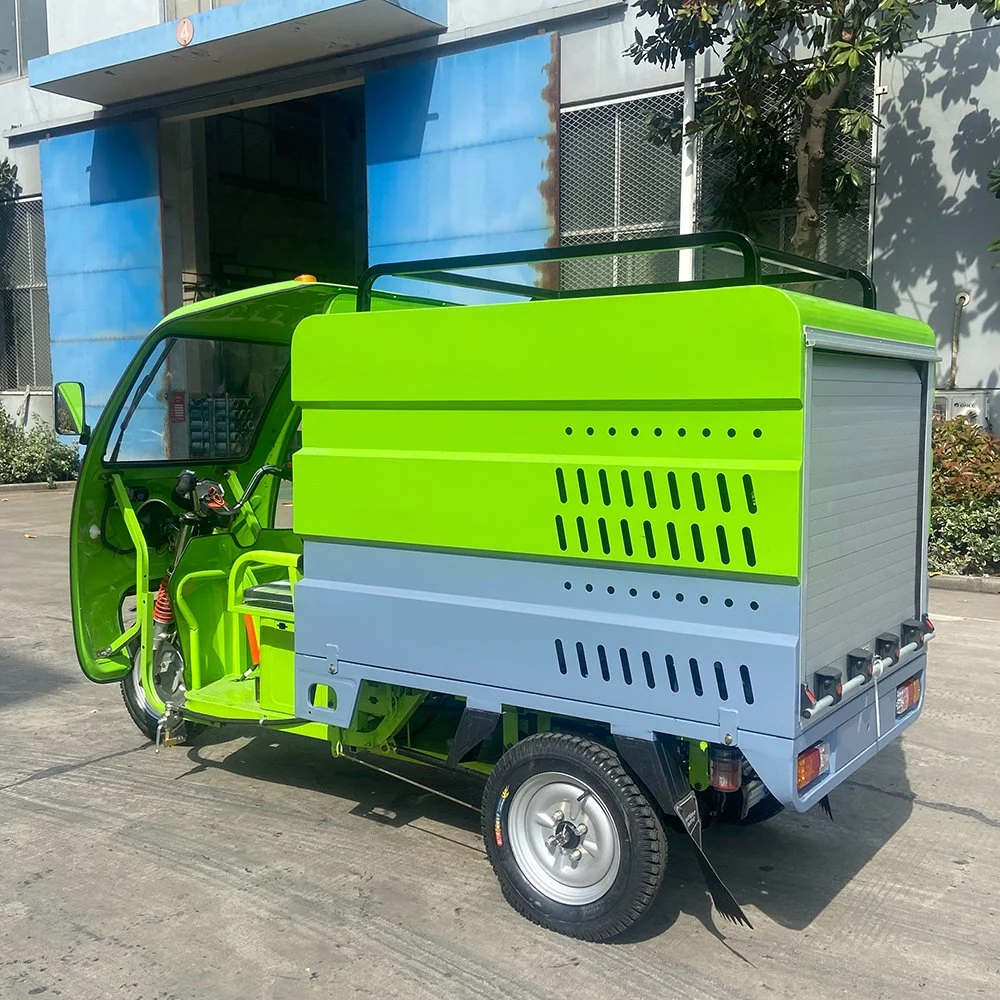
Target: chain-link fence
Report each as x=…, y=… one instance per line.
x=25, y=354
x=843, y=239
x=616, y=185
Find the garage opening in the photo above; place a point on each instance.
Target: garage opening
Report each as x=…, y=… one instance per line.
x=261, y=194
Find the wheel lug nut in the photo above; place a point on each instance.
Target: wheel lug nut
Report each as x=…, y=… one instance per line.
x=575, y=855
x=558, y=816
x=581, y=828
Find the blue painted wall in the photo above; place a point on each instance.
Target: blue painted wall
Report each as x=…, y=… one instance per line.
x=462, y=154
x=101, y=191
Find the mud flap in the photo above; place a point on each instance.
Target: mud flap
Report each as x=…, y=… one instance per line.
x=825, y=805
x=658, y=765
x=475, y=726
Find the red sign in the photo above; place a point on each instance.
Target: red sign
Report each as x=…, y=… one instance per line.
x=185, y=31
x=178, y=407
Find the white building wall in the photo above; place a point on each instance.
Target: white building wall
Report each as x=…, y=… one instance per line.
x=78, y=22
x=934, y=215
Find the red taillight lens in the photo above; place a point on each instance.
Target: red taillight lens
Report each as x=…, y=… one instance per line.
x=725, y=768
x=907, y=696
x=812, y=763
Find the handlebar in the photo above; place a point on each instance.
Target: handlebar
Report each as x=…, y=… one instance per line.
x=204, y=500
x=255, y=480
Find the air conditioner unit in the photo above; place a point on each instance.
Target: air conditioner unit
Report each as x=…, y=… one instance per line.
x=973, y=404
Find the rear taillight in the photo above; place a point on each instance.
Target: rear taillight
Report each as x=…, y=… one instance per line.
x=907, y=696
x=725, y=769
x=812, y=763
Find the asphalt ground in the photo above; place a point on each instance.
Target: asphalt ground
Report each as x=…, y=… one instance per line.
x=253, y=865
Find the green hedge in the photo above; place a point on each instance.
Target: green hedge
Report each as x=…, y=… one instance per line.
x=33, y=455
x=965, y=499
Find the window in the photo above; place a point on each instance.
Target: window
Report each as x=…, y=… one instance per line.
x=198, y=400
x=25, y=358
x=616, y=185
x=175, y=9
x=24, y=35
x=277, y=148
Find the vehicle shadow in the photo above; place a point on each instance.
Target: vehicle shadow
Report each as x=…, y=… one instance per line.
x=790, y=868
x=787, y=870
x=372, y=782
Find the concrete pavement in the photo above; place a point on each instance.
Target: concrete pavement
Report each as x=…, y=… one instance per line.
x=253, y=866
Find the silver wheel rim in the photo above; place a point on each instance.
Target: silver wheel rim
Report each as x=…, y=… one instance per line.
x=563, y=839
x=168, y=680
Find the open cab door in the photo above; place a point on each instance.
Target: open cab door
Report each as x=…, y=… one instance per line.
x=207, y=394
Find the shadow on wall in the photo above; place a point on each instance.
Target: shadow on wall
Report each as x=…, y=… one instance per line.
x=935, y=215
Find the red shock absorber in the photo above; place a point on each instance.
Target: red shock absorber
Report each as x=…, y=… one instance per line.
x=163, y=609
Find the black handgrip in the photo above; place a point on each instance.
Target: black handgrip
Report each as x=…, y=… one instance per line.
x=182, y=494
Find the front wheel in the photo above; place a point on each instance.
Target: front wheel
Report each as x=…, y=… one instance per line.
x=170, y=682
x=574, y=843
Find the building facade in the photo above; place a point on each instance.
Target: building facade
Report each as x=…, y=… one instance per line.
x=171, y=149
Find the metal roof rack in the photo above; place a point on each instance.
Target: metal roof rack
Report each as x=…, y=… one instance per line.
x=795, y=269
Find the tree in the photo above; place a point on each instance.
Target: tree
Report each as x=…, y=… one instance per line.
x=810, y=55
x=9, y=188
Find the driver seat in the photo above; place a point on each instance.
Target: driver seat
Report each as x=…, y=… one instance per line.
x=275, y=596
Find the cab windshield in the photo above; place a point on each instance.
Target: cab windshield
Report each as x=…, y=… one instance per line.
x=197, y=399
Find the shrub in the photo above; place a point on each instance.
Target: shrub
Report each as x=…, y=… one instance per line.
x=965, y=499
x=33, y=455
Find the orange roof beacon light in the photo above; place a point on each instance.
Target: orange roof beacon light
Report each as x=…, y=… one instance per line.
x=306, y=277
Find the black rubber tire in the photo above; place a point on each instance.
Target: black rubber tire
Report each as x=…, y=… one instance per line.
x=643, y=844
x=142, y=715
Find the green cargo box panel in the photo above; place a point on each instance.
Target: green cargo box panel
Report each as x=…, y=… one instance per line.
x=660, y=429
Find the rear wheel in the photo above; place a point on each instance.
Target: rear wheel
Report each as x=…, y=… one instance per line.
x=574, y=843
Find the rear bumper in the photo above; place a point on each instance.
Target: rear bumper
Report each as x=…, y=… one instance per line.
x=852, y=732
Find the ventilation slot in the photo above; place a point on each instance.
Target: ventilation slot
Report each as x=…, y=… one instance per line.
x=699, y=550
x=581, y=528
x=699, y=493
x=602, y=527
x=696, y=677
x=581, y=655
x=647, y=665
x=724, y=493
x=561, y=656
x=647, y=529
x=650, y=489
x=626, y=537
x=748, y=547
x=581, y=478
x=561, y=532
x=675, y=549
x=602, y=657
x=626, y=668
x=720, y=533
x=747, y=686
x=561, y=484
x=751, y=498
x=720, y=680
x=672, y=674
x=602, y=478
x=675, y=497
x=627, y=488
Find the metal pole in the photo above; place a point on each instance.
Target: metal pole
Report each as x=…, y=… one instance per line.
x=685, y=266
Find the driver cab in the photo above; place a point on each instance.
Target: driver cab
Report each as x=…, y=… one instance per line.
x=183, y=501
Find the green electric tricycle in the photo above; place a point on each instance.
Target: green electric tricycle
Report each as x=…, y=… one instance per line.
x=638, y=555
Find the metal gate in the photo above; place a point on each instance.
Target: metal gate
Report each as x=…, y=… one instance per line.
x=25, y=355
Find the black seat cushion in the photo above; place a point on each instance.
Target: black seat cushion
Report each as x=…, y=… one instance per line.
x=275, y=596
